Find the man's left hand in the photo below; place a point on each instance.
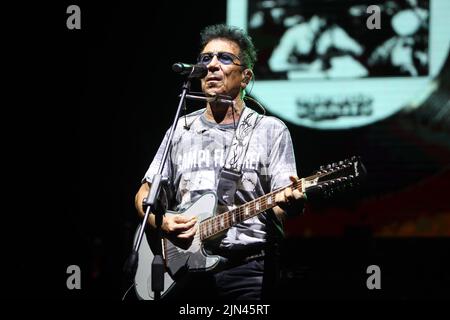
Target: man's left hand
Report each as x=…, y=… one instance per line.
x=291, y=201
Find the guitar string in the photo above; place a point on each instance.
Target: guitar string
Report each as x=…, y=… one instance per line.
x=224, y=221
x=213, y=225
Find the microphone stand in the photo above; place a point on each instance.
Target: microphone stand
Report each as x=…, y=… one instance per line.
x=153, y=204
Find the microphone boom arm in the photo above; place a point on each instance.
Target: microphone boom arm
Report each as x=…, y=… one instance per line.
x=216, y=98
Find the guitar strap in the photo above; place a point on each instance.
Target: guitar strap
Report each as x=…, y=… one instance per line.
x=231, y=172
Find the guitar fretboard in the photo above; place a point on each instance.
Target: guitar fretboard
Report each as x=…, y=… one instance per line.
x=217, y=224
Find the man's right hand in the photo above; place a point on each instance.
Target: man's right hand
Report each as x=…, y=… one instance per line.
x=180, y=230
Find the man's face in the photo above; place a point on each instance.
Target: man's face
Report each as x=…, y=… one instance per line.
x=222, y=78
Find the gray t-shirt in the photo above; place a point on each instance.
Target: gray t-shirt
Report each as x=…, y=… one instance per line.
x=198, y=154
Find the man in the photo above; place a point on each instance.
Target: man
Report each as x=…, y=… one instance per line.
x=199, y=153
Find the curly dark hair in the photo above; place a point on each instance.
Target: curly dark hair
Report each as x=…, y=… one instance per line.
x=235, y=34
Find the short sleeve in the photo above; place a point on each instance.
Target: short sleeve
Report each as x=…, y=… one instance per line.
x=282, y=160
x=154, y=166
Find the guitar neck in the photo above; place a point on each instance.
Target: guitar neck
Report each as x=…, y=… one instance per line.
x=345, y=173
x=220, y=223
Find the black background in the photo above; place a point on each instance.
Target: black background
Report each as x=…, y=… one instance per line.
x=88, y=110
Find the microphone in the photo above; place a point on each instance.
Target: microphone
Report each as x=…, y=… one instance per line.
x=192, y=70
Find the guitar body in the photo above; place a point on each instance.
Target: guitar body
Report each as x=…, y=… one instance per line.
x=177, y=261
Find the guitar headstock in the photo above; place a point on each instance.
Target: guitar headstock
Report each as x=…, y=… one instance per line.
x=337, y=177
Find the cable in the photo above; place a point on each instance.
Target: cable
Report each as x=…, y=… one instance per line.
x=257, y=103
x=126, y=292
x=252, y=99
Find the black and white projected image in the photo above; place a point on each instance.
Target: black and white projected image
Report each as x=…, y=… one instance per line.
x=304, y=39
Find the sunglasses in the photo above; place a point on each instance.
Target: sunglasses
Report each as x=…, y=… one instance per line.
x=224, y=58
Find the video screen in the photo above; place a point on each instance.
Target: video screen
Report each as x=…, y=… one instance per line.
x=343, y=38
